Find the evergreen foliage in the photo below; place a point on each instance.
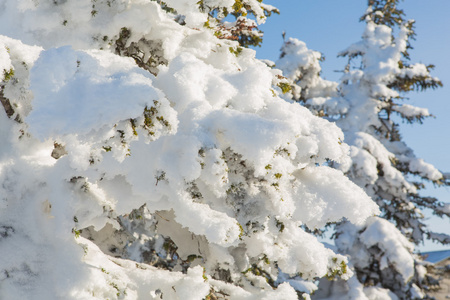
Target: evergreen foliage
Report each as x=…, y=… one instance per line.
x=149, y=154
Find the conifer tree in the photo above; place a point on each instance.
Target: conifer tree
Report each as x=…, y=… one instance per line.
x=372, y=90
x=147, y=155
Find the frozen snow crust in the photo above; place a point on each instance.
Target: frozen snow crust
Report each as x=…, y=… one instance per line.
x=191, y=179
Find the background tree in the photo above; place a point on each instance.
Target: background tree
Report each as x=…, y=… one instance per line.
x=372, y=89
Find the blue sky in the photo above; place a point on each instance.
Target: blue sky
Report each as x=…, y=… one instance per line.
x=329, y=26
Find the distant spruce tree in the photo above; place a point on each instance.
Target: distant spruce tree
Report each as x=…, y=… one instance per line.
x=372, y=90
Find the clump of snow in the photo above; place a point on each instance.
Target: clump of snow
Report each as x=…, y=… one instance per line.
x=393, y=247
x=426, y=170
x=411, y=111
x=301, y=66
x=377, y=293
x=331, y=202
x=113, y=89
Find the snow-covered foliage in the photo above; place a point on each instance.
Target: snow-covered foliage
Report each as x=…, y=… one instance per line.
x=143, y=157
x=301, y=66
x=376, y=78
x=379, y=249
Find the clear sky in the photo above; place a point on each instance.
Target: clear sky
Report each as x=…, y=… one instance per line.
x=329, y=26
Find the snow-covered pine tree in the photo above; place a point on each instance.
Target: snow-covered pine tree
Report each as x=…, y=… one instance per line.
x=372, y=89
x=144, y=156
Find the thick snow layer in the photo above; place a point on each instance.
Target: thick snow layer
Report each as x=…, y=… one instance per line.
x=331, y=202
x=426, y=170
x=88, y=91
x=377, y=293
x=410, y=111
x=301, y=66
x=394, y=247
